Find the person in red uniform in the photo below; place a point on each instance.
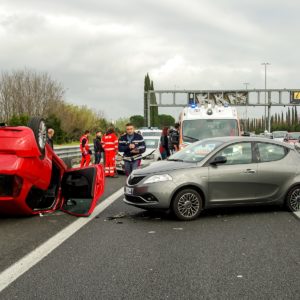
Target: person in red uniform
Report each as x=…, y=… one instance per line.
x=110, y=146
x=85, y=150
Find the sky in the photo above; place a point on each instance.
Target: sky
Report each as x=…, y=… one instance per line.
x=101, y=50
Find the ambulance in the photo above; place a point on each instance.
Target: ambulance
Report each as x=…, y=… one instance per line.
x=198, y=122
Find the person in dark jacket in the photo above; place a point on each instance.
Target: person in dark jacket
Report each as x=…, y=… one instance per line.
x=132, y=145
x=174, y=139
x=50, y=134
x=98, y=147
x=164, y=143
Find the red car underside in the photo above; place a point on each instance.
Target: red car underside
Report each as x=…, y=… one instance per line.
x=32, y=182
x=24, y=173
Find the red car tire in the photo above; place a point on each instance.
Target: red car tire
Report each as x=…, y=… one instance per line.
x=39, y=129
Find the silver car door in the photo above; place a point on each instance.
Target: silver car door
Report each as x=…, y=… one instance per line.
x=276, y=168
x=234, y=181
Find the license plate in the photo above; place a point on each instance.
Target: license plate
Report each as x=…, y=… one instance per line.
x=128, y=191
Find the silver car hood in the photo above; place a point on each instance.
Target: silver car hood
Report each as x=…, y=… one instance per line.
x=163, y=167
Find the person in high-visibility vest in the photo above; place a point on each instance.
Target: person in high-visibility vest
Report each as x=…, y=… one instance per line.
x=110, y=146
x=85, y=149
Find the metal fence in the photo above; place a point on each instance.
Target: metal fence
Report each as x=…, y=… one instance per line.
x=69, y=154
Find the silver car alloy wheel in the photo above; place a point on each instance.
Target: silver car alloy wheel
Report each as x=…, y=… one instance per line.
x=295, y=200
x=188, y=205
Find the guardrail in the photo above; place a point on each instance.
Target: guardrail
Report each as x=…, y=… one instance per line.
x=69, y=153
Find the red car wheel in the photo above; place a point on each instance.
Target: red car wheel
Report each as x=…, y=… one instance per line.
x=39, y=129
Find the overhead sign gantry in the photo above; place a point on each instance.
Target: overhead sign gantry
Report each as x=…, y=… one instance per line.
x=254, y=97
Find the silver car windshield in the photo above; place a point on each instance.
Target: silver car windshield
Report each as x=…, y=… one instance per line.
x=294, y=135
x=151, y=133
x=196, y=130
x=279, y=134
x=196, y=152
x=151, y=143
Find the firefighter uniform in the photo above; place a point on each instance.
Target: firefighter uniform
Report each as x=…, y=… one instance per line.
x=110, y=146
x=85, y=151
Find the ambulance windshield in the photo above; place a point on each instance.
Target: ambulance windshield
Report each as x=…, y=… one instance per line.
x=196, y=130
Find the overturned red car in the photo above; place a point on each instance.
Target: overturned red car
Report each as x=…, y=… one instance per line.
x=33, y=179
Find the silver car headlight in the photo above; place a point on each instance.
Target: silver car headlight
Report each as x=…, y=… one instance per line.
x=158, y=178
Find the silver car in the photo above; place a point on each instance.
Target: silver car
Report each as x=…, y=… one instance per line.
x=226, y=171
x=149, y=156
x=152, y=150
x=279, y=135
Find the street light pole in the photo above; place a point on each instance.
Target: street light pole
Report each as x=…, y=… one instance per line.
x=246, y=121
x=266, y=64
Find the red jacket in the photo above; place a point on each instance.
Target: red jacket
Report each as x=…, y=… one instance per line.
x=84, y=144
x=109, y=142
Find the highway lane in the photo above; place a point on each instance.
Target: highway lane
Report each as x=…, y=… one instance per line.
x=244, y=253
x=19, y=236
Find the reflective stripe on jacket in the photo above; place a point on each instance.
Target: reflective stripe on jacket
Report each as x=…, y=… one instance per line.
x=139, y=143
x=84, y=144
x=109, y=142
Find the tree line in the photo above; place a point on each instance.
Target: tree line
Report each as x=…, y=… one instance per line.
x=288, y=121
x=27, y=93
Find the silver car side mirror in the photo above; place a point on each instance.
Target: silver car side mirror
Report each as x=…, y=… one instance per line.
x=219, y=160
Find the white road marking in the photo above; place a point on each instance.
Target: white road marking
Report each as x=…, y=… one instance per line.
x=10, y=274
x=297, y=213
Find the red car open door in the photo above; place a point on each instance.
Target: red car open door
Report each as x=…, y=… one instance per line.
x=81, y=189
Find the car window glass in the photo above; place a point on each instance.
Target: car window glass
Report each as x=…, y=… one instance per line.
x=151, y=143
x=293, y=135
x=240, y=153
x=151, y=133
x=279, y=134
x=197, y=151
x=270, y=152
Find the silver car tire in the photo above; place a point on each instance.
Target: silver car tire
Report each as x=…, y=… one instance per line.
x=187, y=205
x=293, y=199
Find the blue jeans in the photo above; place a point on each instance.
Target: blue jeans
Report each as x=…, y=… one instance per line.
x=130, y=166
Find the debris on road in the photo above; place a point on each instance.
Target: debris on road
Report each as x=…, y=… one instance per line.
x=117, y=216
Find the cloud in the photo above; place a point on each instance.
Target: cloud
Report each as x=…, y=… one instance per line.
x=101, y=50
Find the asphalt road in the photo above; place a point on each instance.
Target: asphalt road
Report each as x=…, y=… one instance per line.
x=250, y=253
x=19, y=236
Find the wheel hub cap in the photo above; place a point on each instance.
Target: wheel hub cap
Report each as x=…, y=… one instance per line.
x=188, y=205
x=295, y=200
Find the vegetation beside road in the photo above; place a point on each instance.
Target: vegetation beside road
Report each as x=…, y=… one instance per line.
x=27, y=93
